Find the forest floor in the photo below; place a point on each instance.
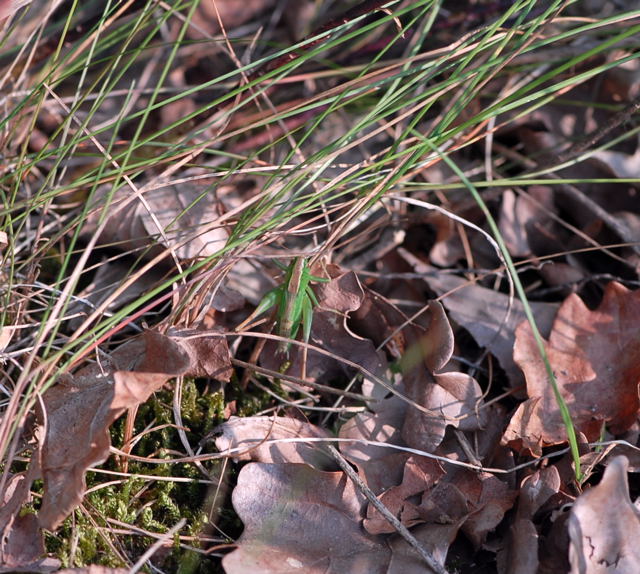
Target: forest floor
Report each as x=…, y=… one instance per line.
x=319, y=286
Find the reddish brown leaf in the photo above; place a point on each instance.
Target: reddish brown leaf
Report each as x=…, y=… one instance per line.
x=604, y=526
x=489, y=501
x=16, y=493
x=298, y=519
x=21, y=542
x=595, y=356
x=80, y=408
x=443, y=504
x=453, y=398
x=23, y=547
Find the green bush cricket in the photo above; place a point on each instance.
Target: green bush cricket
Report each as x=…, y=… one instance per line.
x=294, y=300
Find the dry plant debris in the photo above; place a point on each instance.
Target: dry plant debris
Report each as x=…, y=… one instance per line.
x=595, y=355
x=604, y=525
x=161, y=167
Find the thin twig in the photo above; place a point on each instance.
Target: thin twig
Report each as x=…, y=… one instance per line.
x=601, y=132
x=401, y=529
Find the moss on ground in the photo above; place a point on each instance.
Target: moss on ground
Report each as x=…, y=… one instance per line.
x=92, y=533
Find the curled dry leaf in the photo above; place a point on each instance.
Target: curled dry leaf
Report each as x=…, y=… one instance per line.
x=298, y=519
x=476, y=503
x=264, y=439
x=80, y=408
x=489, y=498
x=379, y=320
x=452, y=398
x=420, y=474
x=604, y=526
x=595, y=356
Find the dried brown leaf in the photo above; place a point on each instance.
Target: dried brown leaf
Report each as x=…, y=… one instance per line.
x=379, y=467
x=233, y=13
x=595, y=356
x=604, y=526
x=435, y=538
x=420, y=474
x=523, y=217
x=8, y=7
x=21, y=541
x=485, y=313
x=489, y=498
x=536, y=489
x=93, y=569
x=22, y=546
x=107, y=278
x=298, y=519
x=379, y=320
x=520, y=553
x=443, y=504
x=80, y=408
x=250, y=433
x=179, y=217
x=452, y=398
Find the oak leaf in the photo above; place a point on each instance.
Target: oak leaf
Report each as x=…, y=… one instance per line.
x=298, y=519
x=595, y=356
